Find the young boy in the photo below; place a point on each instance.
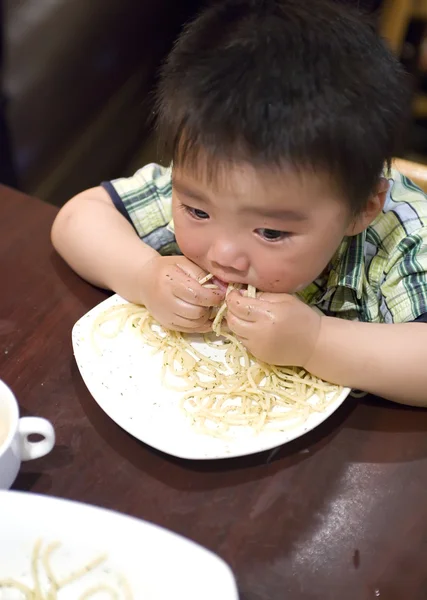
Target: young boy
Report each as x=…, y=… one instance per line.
x=281, y=117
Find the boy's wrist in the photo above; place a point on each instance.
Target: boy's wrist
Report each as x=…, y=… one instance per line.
x=327, y=355
x=317, y=346
x=346, y=352
x=145, y=275
x=134, y=278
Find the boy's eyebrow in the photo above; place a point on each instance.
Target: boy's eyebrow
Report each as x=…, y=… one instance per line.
x=278, y=213
x=183, y=189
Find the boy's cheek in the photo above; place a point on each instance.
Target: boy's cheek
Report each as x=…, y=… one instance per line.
x=287, y=283
x=189, y=245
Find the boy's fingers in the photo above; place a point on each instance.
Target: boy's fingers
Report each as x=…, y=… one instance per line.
x=246, y=309
x=189, y=311
x=238, y=326
x=189, y=276
x=190, y=290
x=191, y=269
x=197, y=296
x=188, y=326
x=184, y=329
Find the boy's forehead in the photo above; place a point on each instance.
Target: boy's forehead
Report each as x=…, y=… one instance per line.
x=222, y=177
x=243, y=180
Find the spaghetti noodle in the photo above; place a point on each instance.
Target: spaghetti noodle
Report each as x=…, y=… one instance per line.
x=228, y=392
x=46, y=585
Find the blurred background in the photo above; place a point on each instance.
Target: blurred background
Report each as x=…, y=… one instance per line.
x=76, y=81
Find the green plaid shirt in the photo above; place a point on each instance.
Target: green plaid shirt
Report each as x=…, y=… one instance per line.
x=377, y=276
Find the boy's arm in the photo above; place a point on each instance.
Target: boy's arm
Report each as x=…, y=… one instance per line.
x=97, y=241
x=383, y=359
x=103, y=248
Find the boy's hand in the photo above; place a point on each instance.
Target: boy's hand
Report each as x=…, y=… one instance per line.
x=171, y=291
x=276, y=328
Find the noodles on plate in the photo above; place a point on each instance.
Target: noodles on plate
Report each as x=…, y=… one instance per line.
x=223, y=394
x=47, y=586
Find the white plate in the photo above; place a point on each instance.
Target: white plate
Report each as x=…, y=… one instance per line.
x=124, y=379
x=157, y=564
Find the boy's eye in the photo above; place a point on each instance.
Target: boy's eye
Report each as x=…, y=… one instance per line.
x=272, y=235
x=197, y=213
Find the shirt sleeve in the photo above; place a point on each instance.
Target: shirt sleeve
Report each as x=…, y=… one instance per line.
x=421, y=319
x=404, y=286
x=145, y=200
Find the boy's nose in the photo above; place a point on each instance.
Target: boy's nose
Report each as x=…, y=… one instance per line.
x=226, y=255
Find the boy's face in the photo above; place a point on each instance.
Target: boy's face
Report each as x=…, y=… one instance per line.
x=275, y=231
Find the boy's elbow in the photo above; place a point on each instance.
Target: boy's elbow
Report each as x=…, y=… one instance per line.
x=77, y=211
x=58, y=231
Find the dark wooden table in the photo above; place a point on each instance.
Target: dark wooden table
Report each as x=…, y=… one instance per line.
x=340, y=513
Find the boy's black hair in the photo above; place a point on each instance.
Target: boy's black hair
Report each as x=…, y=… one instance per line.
x=284, y=82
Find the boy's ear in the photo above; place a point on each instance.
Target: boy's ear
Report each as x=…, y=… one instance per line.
x=372, y=209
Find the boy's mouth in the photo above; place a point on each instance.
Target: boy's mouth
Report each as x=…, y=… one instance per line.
x=222, y=285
